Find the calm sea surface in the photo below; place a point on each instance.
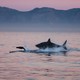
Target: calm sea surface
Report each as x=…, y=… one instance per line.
x=32, y=66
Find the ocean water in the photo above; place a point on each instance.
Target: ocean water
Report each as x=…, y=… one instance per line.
x=32, y=66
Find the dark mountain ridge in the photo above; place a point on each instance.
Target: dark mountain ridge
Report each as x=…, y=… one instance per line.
x=40, y=15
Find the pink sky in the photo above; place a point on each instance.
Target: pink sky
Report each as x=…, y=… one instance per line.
x=30, y=4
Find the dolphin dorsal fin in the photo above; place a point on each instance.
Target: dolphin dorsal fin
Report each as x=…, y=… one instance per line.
x=64, y=43
x=49, y=40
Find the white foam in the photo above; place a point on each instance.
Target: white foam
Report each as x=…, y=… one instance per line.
x=47, y=50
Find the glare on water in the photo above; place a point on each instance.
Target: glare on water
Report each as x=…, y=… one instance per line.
x=32, y=66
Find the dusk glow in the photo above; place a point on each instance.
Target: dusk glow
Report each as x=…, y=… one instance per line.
x=30, y=4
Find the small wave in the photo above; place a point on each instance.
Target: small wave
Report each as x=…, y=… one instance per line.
x=75, y=49
x=48, y=51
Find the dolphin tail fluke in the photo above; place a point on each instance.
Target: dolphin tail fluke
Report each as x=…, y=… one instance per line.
x=64, y=43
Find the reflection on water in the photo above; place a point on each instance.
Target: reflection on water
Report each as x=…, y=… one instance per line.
x=31, y=66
